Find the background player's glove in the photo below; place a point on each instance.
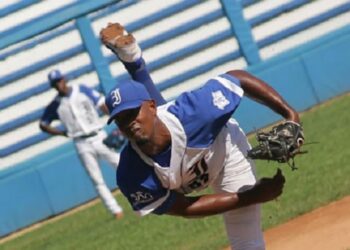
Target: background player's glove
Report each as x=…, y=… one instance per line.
x=114, y=140
x=279, y=144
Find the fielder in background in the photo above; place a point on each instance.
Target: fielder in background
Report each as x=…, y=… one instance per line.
x=186, y=145
x=77, y=108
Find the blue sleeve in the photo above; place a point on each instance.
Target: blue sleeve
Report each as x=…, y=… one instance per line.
x=50, y=112
x=139, y=72
x=166, y=205
x=204, y=112
x=91, y=93
x=140, y=185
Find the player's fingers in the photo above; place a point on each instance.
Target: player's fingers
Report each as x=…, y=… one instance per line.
x=102, y=32
x=279, y=176
x=279, y=171
x=103, y=36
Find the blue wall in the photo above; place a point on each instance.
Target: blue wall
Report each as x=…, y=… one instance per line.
x=44, y=186
x=305, y=76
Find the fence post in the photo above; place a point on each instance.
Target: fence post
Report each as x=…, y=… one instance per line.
x=241, y=29
x=92, y=46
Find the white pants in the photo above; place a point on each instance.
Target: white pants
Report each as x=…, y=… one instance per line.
x=243, y=225
x=90, y=150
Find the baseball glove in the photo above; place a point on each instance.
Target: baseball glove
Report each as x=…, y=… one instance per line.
x=280, y=144
x=114, y=140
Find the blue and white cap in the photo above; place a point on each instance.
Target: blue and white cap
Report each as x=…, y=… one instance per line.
x=54, y=76
x=128, y=94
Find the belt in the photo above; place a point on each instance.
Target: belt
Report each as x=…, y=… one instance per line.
x=88, y=135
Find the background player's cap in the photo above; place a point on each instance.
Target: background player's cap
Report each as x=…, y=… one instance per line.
x=54, y=76
x=128, y=94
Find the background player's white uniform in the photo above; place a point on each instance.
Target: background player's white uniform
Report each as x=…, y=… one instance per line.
x=78, y=113
x=207, y=148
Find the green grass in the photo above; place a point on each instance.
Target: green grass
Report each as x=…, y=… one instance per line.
x=323, y=176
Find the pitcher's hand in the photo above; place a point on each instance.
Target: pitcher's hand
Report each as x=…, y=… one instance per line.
x=264, y=190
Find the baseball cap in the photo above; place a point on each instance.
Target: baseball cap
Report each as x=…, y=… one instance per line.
x=54, y=76
x=127, y=94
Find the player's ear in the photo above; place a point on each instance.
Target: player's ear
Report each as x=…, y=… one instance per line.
x=152, y=106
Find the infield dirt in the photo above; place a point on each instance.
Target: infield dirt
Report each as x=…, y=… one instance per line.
x=326, y=228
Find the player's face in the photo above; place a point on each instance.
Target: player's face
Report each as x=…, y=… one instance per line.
x=138, y=124
x=61, y=87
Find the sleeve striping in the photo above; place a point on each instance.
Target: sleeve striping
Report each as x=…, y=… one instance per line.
x=230, y=85
x=148, y=209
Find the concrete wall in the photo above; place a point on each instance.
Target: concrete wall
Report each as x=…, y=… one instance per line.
x=45, y=186
x=305, y=76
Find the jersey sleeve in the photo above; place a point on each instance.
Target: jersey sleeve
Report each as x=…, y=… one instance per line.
x=96, y=97
x=50, y=113
x=204, y=111
x=139, y=72
x=140, y=185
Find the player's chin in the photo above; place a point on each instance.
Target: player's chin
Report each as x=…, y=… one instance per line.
x=141, y=140
x=138, y=136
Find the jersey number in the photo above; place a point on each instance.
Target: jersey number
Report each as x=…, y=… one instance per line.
x=200, y=170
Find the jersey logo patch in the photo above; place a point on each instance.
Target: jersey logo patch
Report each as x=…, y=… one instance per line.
x=141, y=197
x=115, y=95
x=219, y=100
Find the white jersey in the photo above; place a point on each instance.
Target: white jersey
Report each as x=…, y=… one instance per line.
x=77, y=111
x=201, y=137
x=191, y=168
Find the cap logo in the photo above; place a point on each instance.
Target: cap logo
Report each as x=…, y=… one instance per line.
x=116, y=98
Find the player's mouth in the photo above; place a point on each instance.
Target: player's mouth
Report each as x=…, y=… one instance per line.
x=134, y=132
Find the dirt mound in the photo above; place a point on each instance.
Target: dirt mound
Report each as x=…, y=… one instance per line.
x=326, y=228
